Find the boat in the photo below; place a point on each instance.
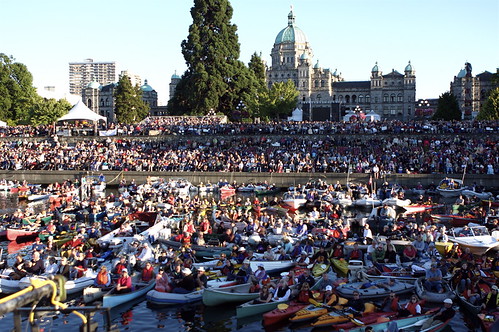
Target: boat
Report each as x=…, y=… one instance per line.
x=419, y=208
x=294, y=200
x=435, y=297
x=13, y=234
x=112, y=300
x=272, y=266
x=340, y=266
x=201, y=251
x=38, y=197
x=404, y=324
x=71, y=286
x=282, y=312
x=8, y=285
x=366, y=319
x=250, y=308
x=261, y=190
x=475, y=237
x=308, y=312
x=470, y=307
x=449, y=187
x=318, y=269
x=162, y=298
x=231, y=294
x=488, y=321
x=400, y=287
x=332, y=318
x=394, y=201
x=479, y=195
x=367, y=202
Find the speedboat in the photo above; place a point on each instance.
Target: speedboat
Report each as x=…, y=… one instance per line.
x=294, y=200
x=475, y=237
x=449, y=187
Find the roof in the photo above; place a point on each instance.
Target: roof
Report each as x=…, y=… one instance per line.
x=352, y=85
x=81, y=112
x=485, y=76
x=291, y=33
x=393, y=73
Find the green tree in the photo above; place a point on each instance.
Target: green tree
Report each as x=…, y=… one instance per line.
x=215, y=79
x=490, y=109
x=46, y=111
x=447, y=108
x=280, y=100
x=256, y=100
x=129, y=106
x=17, y=93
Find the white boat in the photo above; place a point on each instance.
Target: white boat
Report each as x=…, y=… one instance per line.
x=435, y=297
x=294, y=200
x=475, y=237
x=8, y=285
x=342, y=199
x=449, y=187
x=38, y=197
x=272, y=266
x=481, y=195
x=394, y=201
x=112, y=300
x=72, y=286
x=367, y=201
x=249, y=188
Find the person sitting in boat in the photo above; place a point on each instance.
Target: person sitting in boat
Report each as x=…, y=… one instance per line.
x=367, y=236
x=244, y=273
x=51, y=229
x=306, y=277
x=419, y=245
x=162, y=259
x=124, y=283
x=356, y=304
x=187, y=284
x=462, y=277
x=409, y=254
x=148, y=272
x=306, y=295
x=356, y=253
x=64, y=268
x=36, y=265
x=241, y=255
x=52, y=266
x=303, y=260
x=465, y=231
x=103, y=278
x=19, y=268
x=283, y=256
x=433, y=251
x=255, y=286
x=93, y=233
x=337, y=251
x=145, y=254
x=411, y=308
x=265, y=295
x=467, y=256
x=282, y=292
x=491, y=301
x=433, y=282
x=301, y=229
x=79, y=266
x=391, y=256
x=390, y=303
x=260, y=274
x=445, y=313
x=269, y=255
x=163, y=282
x=38, y=246
x=201, y=278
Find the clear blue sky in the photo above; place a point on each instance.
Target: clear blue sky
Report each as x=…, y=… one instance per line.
x=437, y=36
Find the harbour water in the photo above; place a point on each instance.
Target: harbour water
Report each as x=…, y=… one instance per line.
x=139, y=316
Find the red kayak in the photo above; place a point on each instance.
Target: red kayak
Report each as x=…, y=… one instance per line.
x=370, y=318
x=278, y=315
x=14, y=233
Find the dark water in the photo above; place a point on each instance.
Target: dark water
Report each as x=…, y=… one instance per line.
x=192, y=317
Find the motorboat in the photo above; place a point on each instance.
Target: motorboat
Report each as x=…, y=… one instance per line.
x=294, y=200
x=449, y=187
x=475, y=237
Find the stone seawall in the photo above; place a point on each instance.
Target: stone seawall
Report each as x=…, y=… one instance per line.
x=280, y=179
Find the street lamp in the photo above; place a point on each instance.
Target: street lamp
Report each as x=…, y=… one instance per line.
x=424, y=106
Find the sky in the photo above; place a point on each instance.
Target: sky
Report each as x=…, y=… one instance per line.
x=437, y=36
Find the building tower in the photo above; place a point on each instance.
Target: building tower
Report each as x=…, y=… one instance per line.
x=82, y=73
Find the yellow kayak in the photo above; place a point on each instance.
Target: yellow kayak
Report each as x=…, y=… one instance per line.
x=318, y=269
x=308, y=313
x=341, y=266
x=443, y=247
x=332, y=318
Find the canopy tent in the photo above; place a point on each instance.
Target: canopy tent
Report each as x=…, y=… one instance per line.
x=3, y=124
x=373, y=116
x=297, y=115
x=81, y=112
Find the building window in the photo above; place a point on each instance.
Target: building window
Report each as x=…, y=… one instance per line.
x=340, y=98
x=347, y=99
x=368, y=99
x=334, y=97
x=354, y=99
x=361, y=99
x=102, y=101
x=316, y=83
x=400, y=98
x=376, y=100
x=385, y=98
x=323, y=83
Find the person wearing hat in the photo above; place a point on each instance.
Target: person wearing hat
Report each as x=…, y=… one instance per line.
x=260, y=274
x=124, y=283
x=330, y=298
x=303, y=260
x=269, y=255
x=241, y=255
x=245, y=272
x=38, y=245
x=187, y=284
x=433, y=282
x=491, y=301
x=446, y=313
x=201, y=278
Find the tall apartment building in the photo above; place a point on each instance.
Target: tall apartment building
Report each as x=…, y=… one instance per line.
x=82, y=73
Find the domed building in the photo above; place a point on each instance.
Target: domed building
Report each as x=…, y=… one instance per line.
x=325, y=95
x=149, y=95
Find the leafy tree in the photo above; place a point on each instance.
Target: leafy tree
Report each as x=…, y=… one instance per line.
x=17, y=93
x=490, y=109
x=129, y=106
x=448, y=108
x=280, y=100
x=215, y=79
x=256, y=100
x=47, y=111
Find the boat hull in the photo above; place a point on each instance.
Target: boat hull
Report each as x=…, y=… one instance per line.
x=161, y=298
x=114, y=300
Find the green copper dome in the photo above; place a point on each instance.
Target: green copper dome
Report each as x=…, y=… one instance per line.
x=291, y=33
x=146, y=87
x=408, y=67
x=93, y=85
x=375, y=68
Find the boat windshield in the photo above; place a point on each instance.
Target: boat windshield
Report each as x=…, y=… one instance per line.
x=479, y=231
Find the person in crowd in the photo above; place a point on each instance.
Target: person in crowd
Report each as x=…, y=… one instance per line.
x=491, y=300
x=433, y=279
x=148, y=272
x=356, y=304
x=201, y=278
x=446, y=313
x=163, y=282
x=52, y=266
x=265, y=295
x=411, y=308
x=282, y=292
x=390, y=303
x=103, y=278
x=124, y=283
x=187, y=284
x=36, y=265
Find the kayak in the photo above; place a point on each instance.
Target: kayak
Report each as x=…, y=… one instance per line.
x=341, y=266
x=408, y=323
x=368, y=319
x=318, y=269
x=334, y=317
x=308, y=313
x=400, y=287
x=282, y=312
x=112, y=300
x=232, y=294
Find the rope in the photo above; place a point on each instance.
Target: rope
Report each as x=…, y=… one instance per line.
x=117, y=176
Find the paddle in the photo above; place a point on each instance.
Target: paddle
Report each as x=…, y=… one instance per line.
x=352, y=319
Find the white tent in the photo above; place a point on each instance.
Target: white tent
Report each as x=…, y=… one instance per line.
x=297, y=115
x=81, y=112
x=3, y=124
x=373, y=116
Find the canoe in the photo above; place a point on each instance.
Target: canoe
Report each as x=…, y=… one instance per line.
x=408, y=323
x=280, y=314
x=232, y=294
x=273, y=266
x=307, y=313
x=464, y=303
x=400, y=287
x=341, y=266
x=334, y=317
x=91, y=294
x=367, y=319
x=7, y=285
x=113, y=300
x=249, y=308
x=433, y=296
x=14, y=233
x=201, y=251
x=72, y=286
x=162, y=298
